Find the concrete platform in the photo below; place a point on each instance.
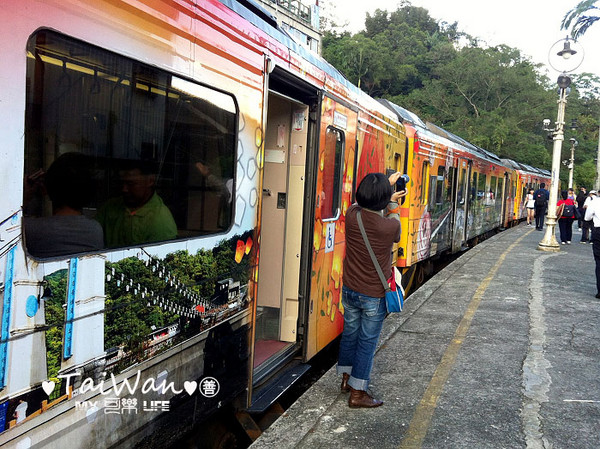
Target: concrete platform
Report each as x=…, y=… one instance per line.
x=498, y=350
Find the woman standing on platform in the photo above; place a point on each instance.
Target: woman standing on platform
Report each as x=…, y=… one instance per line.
x=530, y=205
x=566, y=214
x=362, y=293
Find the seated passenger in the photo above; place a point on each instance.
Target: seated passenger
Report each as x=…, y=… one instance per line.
x=139, y=215
x=69, y=185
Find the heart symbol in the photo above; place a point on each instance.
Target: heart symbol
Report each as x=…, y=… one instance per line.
x=190, y=387
x=48, y=386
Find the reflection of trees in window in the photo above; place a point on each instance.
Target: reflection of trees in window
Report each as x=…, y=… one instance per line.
x=54, y=308
x=85, y=99
x=134, y=323
x=437, y=193
x=332, y=172
x=481, y=186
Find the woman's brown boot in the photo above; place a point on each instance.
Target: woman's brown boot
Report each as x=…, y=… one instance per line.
x=345, y=388
x=362, y=399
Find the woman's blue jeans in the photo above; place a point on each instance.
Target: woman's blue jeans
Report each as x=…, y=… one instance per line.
x=363, y=319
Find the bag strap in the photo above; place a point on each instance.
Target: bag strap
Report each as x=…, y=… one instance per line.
x=371, y=253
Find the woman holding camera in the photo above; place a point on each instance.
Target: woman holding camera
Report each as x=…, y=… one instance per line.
x=362, y=293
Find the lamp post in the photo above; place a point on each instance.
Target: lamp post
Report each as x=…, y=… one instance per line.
x=572, y=161
x=564, y=64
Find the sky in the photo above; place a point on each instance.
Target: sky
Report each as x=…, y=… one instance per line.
x=532, y=26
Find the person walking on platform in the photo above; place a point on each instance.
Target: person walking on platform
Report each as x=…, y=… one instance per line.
x=592, y=212
x=587, y=226
x=541, y=197
x=581, y=197
x=363, y=296
x=529, y=204
x=566, y=215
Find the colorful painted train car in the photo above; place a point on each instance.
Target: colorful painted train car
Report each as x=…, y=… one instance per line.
x=175, y=177
x=458, y=192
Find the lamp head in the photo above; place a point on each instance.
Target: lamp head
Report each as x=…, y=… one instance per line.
x=564, y=81
x=567, y=51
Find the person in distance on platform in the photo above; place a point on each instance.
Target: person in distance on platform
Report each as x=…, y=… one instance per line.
x=529, y=204
x=581, y=196
x=566, y=215
x=541, y=197
x=592, y=212
x=362, y=292
x=587, y=225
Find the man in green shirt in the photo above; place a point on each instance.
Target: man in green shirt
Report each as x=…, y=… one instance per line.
x=139, y=215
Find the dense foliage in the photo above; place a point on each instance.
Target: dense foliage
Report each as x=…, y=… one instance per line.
x=491, y=96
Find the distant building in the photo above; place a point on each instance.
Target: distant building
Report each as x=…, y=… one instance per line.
x=299, y=20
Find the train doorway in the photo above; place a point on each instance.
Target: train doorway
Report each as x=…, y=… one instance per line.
x=279, y=268
x=461, y=204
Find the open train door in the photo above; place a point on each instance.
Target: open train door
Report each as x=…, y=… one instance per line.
x=334, y=175
x=461, y=203
x=290, y=141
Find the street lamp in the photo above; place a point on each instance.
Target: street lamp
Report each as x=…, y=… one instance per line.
x=574, y=143
x=566, y=62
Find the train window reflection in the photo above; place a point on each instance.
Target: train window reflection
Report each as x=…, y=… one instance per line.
x=333, y=154
x=156, y=144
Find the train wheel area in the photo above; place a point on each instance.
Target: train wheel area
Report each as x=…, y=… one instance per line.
x=498, y=349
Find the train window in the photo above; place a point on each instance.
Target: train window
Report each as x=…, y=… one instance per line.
x=493, y=186
x=439, y=186
x=449, y=184
x=462, y=177
x=152, y=145
x=481, y=187
x=425, y=183
x=333, y=155
x=473, y=186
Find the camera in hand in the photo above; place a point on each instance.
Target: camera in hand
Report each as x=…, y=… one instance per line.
x=401, y=183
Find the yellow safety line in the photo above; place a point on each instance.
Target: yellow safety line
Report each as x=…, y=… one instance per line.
x=422, y=417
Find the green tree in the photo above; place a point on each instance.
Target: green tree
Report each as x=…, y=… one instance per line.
x=581, y=18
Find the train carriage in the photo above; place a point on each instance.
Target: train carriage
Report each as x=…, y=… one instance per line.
x=251, y=147
x=524, y=177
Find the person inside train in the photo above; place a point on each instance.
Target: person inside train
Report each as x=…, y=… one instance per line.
x=138, y=215
x=69, y=184
x=566, y=215
x=529, y=204
x=541, y=197
x=362, y=292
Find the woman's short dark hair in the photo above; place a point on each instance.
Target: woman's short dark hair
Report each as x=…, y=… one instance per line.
x=69, y=181
x=564, y=194
x=374, y=192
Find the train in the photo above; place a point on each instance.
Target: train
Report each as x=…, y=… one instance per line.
x=252, y=146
